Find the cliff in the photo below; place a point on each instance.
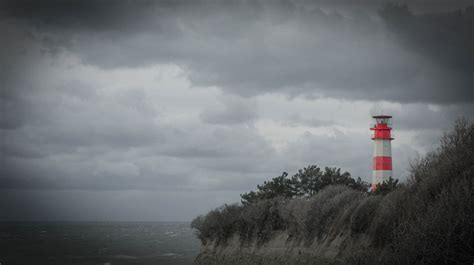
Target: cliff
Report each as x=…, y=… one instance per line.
x=280, y=249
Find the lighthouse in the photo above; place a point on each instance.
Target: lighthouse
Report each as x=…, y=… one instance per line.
x=382, y=160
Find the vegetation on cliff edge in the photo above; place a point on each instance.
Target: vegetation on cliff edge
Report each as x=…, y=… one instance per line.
x=427, y=220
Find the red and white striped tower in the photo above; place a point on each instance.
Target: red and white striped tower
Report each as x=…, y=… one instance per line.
x=382, y=168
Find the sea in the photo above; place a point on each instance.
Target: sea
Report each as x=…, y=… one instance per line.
x=97, y=243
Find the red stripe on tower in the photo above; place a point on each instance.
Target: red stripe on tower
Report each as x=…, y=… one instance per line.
x=382, y=163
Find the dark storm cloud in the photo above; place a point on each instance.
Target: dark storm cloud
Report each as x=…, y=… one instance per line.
x=334, y=49
x=84, y=15
x=416, y=117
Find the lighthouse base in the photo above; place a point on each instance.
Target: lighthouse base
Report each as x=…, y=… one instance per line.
x=379, y=176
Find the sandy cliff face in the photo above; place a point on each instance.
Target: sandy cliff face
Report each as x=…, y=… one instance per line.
x=279, y=249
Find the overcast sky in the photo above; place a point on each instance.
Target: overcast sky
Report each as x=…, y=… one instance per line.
x=143, y=110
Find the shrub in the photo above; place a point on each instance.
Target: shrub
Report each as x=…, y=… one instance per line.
x=444, y=232
x=218, y=224
x=294, y=213
x=324, y=206
x=333, y=210
x=364, y=214
x=266, y=217
x=388, y=214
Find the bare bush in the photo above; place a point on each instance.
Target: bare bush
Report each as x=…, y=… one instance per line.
x=322, y=208
x=387, y=216
x=295, y=213
x=363, y=215
x=443, y=233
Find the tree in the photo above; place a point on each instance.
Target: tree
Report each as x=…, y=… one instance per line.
x=306, y=183
x=278, y=186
